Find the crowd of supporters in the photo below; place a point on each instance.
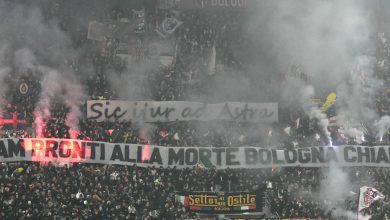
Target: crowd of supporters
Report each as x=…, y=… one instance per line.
x=31, y=190
x=81, y=191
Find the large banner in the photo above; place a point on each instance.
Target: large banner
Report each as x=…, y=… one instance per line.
x=180, y=111
x=118, y=30
x=216, y=4
x=220, y=202
x=67, y=150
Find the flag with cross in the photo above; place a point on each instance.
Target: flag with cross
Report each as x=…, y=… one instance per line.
x=12, y=121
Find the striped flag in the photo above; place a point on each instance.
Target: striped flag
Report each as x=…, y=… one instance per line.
x=248, y=207
x=368, y=195
x=201, y=208
x=182, y=199
x=290, y=131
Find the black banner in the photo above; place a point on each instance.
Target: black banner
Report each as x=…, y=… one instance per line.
x=221, y=202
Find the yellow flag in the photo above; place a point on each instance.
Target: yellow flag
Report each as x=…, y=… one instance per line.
x=330, y=100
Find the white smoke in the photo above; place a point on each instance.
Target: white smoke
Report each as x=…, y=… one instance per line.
x=322, y=36
x=304, y=95
x=356, y=97
x=350, y=215
x=132, y=84
x=335, y=189
x=336, y=185
x=57, y=87
x=382, y=125
x=4, y=72
x=24, y=60
x=323, y=121
x=331, y=41
x=32, y=45
x=325, y=38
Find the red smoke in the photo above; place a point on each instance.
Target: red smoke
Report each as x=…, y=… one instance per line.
x=73, y=133
x=145, y=152
x=40, y=148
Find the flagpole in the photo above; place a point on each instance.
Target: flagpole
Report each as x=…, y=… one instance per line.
x=357, y=213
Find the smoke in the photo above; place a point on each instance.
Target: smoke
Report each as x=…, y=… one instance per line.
x=58, y=88
x=137, y=77
x=42, y=110
x=382, y=125
x=234, y=88
x=304, y=94
x=350, y=215
x=33, y=45
x=132, y=84
x=322, y=36
x=4, y=72
x=326, y=38
x=24, y=26
x=323, y=122
x=24, y=61
x=336, y=185
x=333, y=42
x=356, y=97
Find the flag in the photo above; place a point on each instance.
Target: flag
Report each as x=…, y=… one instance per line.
x=268, y=135
x=97, y=30
x=205, y=163
x=13, y=121
x=268, y=132
x=247, y=207
x=166, y=61
x=175, y=54
x=140, y=23
x=23, y=87
x=290, y=131
x=182, y=199
x=368, y=195
x=329, y=102
x=166, y=4
x=104, y=48
x=109, y=131
x=168, y=26
x=211, y=67
x=332, y=121
x=176, y=137
x=157, y=181
x=163, y=133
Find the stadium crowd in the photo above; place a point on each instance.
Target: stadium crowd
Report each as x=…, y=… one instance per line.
x=83, y=191
x=31, y=190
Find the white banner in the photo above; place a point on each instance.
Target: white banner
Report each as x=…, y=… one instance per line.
x=180, y=111
x=66, y=150
x=216, y=4
x=123, y=31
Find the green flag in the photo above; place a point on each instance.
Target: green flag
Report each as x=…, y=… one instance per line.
x=205, y=163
